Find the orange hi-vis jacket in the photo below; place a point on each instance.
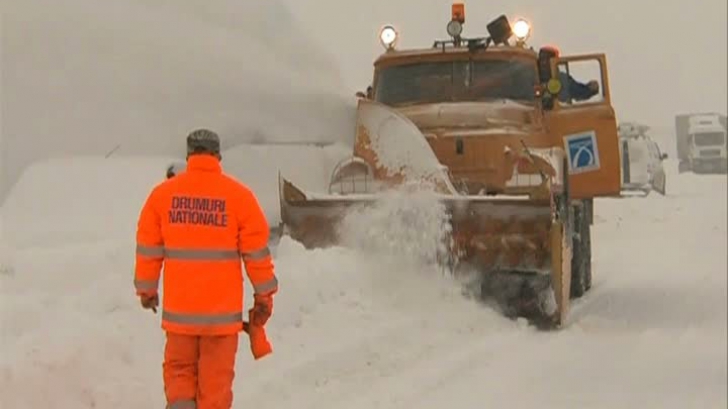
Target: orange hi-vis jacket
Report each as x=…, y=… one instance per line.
x=200, y=224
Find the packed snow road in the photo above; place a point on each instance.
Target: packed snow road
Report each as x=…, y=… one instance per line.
x=353, y=329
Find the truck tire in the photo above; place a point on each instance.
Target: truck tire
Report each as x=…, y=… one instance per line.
x=586, y=238
x=581, y=277
x=683, y=166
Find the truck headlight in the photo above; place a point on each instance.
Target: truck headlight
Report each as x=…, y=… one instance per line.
x=521, y=29
x=388, y=36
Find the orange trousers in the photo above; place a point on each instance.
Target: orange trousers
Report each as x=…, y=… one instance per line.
x=199, y=371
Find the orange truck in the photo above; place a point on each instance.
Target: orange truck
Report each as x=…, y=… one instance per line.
x=515, y=146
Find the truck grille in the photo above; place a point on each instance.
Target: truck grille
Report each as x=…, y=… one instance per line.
x=710, y=153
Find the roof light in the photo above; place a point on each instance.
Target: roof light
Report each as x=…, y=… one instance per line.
x=500, y=30
x=388, y=36
x=454, y=28
x=521, y=29
x=458, y=12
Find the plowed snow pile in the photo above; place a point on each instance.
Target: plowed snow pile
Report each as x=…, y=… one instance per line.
x=6, y=257
x=258, y=166
x=83, y=199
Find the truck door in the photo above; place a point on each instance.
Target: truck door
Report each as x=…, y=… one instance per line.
x=586, y=127
x=658, y=181
x=639, y=162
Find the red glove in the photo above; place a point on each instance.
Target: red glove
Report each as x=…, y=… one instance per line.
x=262, y=310
x=259, y=344
x=149, y=301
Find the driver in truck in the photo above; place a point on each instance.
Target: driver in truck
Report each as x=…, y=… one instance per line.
x=572, y=89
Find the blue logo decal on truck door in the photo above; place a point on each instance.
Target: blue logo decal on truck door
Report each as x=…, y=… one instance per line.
x=582, y=152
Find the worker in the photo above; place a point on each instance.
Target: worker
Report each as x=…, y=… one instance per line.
x=571, y=88
x=172, y=170
x=199, y=224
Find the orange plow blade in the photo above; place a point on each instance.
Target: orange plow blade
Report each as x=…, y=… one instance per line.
x=518, y=247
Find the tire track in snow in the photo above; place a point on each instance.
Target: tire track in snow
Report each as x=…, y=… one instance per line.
x=318, y=367
x=454, y=358
x=374, y=360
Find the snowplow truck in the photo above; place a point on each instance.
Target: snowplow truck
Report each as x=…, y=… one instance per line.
x=488, y=123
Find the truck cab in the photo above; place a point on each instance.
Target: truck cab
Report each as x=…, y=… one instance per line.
x=701, y=142
x=475, y=100
x=707, y=142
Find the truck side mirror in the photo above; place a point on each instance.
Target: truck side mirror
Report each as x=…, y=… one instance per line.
x=547, y=101
x=549, y=92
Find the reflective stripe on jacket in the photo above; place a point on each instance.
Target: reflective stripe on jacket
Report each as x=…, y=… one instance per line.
x=199, y=225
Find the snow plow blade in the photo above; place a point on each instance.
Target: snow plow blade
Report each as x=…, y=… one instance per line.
x=518, y=247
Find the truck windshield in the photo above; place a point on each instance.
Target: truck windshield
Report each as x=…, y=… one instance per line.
x=450, y=81
x=709, y=139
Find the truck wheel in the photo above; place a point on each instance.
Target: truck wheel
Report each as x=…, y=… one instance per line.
x=683, y=167
x=586, y=243
x=581, y=260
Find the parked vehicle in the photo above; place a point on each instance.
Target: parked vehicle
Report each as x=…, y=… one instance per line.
x=642, y=168
x=701, y=142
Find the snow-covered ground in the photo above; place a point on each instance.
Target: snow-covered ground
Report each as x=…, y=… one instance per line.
x=355, y=329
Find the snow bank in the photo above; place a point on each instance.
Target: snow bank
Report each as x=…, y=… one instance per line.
x=6, y=257
x=92, y=198
x=258, y=166
x=86, y=77
x=80, y=199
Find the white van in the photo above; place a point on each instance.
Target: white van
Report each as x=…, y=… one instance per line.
x=641, y=157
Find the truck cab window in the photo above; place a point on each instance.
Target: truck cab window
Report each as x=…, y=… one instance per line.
x=453, y=81
x=709, y=138
x=580, y=82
